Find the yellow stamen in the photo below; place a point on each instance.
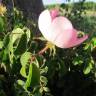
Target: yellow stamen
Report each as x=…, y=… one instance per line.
x=2, y=9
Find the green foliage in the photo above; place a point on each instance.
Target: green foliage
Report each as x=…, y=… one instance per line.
x=1, y=24
x=24, y=72
x=33, y=77
x=90, y=5
x=24, y=61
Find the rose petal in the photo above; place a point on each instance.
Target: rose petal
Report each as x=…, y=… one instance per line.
x=78, y=41
x=65, y=39
x=54, y=13
x=44, y=23
x=62, y=30
x=62, y=23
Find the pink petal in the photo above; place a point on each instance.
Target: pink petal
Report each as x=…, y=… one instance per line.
x=62, y=30
x=44, y=23
x=54, y=13
x=62, y=23
x=64, y=40
x=78, y=41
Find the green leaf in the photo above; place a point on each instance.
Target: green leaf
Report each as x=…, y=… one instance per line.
x=94, y=42
x=22, y=46
x=4, y=55
x=16, y=34
x=46, y=89
x=28, y=33
x=24, y=61
x=1, y=24
x=77, y=60
x=23, y=71
x=43, y=80
x=44, y=70
x=28, y=82
x=1, y=44
x=25, y=58
x=6, y=40
x=10, y=50
x=20, y=82
x=33, y=78
x=87, y=68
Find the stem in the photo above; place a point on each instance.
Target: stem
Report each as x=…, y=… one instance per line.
x=43, y=50
x=39, y=53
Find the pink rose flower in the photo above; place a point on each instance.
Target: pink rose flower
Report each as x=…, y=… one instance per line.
x=58, y=29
